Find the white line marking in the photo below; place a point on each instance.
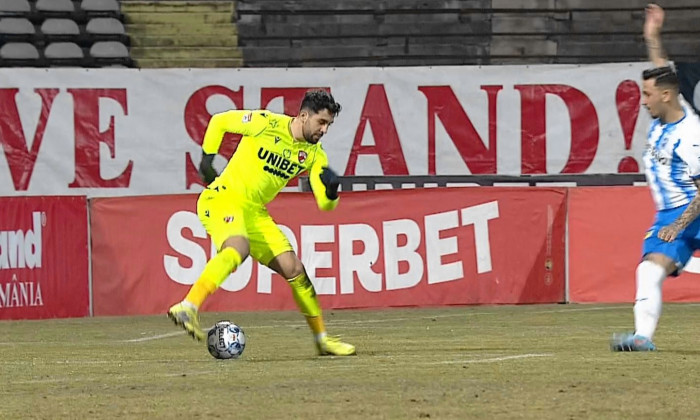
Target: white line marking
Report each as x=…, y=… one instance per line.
x=41, y=381
x=42, y=362
x=492, y=359
x=154, y=337
x=408, y=361
x=287, y=324
x=93, y=379
x=463, y=314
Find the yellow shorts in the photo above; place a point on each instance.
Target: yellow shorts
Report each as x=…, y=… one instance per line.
x=224, y=215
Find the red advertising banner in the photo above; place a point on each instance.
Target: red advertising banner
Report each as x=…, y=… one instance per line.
x=378, y=249
x=43, y=258
x=606, y=230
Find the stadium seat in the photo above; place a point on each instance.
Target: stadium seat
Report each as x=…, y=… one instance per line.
x=106, y=29
x=101, y=8
x=55, y=30
x=13, y=7
x=16, y=29
x=55, y=8
x=110, y=52
x=65, y=54
x=19, y=54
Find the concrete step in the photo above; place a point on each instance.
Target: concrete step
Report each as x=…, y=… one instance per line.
x=178, y=18
x=221, y=29
x=186, y=40
x=139, y=6
x=190, y=63
x=186, y=53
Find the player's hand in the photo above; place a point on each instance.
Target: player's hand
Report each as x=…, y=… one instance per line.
x=331, y=182
x=206, y=171
x=669, y=233
x=208, y=176
x=653, y=21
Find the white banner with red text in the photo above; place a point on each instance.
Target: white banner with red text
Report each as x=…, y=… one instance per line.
x=116, y=132
x=43, y=257
x=378, y=249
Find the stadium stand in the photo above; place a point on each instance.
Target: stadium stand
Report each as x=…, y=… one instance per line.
x=419, y=32
x=101, y=8
x=293, y=33
x=109, y=52
x=20, y=54
x=182, y=33
x=15, y=7
x=60, y=54
x=17, y=29
x=63, y=33
x=55, y=8
x=106, y=29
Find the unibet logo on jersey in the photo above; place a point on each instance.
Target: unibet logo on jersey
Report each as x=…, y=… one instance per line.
x=278, y=165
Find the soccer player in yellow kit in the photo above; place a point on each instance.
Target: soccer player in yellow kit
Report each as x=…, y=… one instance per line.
x=274, y=149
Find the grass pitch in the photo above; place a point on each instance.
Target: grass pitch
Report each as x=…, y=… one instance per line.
x=485, y=362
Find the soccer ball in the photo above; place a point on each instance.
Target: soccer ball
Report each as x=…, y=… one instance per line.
x=226, y=340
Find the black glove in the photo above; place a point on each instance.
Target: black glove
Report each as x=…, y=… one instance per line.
x=331, y=181
x=206, y=171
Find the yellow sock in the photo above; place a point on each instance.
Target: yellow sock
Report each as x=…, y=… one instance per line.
x=316, y=324
x=305, y=297
x=215, y=272
x=200, y=291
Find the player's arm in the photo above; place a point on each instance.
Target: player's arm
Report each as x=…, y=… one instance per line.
x=247, y=123
x=324, y=182
x=653, y=22
x=690, y=155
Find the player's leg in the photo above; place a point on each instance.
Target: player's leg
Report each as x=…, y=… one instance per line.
x=226, y=226
x=232, y=252
x=651, y=273
x=291, y=268
x=660, y=260
x=269, y=246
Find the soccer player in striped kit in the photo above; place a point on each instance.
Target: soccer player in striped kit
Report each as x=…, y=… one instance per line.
x=672, y=166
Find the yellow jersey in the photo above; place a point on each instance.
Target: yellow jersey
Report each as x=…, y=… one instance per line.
x=267, y=157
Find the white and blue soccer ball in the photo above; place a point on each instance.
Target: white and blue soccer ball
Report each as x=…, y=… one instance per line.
x=226, y=340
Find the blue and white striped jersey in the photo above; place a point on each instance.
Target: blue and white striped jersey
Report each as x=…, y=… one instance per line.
x=672, y=160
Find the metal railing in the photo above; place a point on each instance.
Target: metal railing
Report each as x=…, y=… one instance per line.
x=363, y=183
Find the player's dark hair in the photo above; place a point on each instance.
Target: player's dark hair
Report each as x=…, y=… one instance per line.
x=317, y=100
x=663, y=77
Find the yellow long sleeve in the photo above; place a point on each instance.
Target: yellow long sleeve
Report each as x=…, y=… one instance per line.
x=247, y=123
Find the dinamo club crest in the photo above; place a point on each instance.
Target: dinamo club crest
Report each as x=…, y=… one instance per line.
x=302, y=156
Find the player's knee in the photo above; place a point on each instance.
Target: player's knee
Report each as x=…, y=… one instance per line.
x=658, y=260
x=296, y=269
x=238, y=243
